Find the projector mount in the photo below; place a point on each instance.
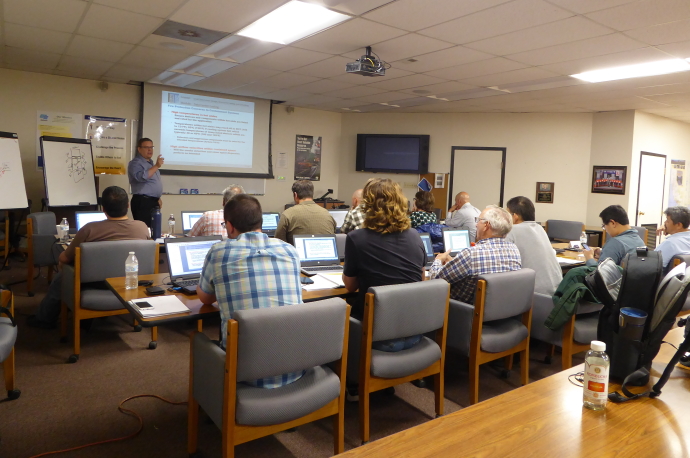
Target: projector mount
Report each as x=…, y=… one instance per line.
x=368, y=65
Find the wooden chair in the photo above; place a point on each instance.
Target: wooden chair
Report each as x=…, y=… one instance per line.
x=5, y=242
x=673, y=262
x=393, y=312
x=40, y=235
x=262, y=343
x=564, y=230
x=496, y=326
x=8, y=336
x=94, y=262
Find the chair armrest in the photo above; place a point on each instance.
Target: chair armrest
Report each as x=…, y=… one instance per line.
x=67, y=291
x=354, y=347
x=460, y=318
x=209, y=376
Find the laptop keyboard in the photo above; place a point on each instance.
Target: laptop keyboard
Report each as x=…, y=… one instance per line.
x=321, y=269
x=186, y=283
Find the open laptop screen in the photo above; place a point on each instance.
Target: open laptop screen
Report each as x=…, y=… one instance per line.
x=187, y=258
x=456, y=239
x=316, y=248
x=426, y=238
x=270, y=221
x=189, y=219
x=338, y=216
x=83, y=218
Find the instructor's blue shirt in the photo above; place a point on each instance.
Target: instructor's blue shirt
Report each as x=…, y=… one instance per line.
x=138, y=171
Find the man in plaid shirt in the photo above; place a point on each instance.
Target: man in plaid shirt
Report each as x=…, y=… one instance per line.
x=250, y=271
x=491, y=254
x=355, y=217
x=211, y=222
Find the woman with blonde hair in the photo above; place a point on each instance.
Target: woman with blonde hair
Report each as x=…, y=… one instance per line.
x=385, y=251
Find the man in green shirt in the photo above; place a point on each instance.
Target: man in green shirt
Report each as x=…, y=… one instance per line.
x=306, y=217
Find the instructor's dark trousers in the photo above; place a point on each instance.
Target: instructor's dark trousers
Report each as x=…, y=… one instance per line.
x=141, y=207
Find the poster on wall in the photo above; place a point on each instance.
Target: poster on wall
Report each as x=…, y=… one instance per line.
x=308, y=158
x=678, y=192
x=108, y=142
x=55, y=124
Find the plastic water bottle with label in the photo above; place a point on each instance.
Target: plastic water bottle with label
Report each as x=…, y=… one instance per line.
x=171, y=225
x=64, y=228
x=583, y=239
x=131, y=271
x=596, y=379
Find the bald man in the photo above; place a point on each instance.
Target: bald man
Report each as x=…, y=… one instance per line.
x=355, y=217
x=463, y=214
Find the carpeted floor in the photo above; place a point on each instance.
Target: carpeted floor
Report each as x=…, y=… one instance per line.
x=66, y=405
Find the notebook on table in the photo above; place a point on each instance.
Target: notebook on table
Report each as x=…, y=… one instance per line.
x=317, y=254
x=428, y=247
x=186, y=258
x=84, y=218
x=456, y=240
x=189, y=219
x=339, y=217
x=270, y=223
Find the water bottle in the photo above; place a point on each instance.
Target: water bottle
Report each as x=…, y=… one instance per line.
x=64, y=228
x=596, y=379
x=171, y=225
x=131, y=271
x=156, y=223
x=583, y=239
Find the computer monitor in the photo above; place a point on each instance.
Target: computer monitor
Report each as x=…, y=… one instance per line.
x=315, y=250
x=186, y=256
x=83, y=218
x=428, y=247
x=270, y=223
x=456, y=240
x=189, y=219
x=338, y=216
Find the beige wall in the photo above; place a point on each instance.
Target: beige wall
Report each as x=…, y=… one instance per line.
x=540, y=147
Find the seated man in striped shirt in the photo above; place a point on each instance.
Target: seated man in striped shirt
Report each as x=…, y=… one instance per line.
x=211, y=222
x=491, y=254
x=250, y=270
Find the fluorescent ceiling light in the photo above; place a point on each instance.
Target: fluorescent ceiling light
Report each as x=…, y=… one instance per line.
x=660, y=67
x=291, y=22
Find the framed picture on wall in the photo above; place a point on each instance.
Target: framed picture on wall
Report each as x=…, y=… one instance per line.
x=609, y=179
x=545, y=192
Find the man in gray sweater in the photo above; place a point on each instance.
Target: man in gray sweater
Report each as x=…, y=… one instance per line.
x=534, y=245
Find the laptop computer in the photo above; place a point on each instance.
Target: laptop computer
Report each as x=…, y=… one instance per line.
x=189, y=219
x=83, y=218
x=456, y=240
x=317, y=254
x=339, y=217
x=270, y=223
x=186, y=258
x=428, y=247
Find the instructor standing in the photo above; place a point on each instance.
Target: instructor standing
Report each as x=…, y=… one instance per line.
x=145, y=180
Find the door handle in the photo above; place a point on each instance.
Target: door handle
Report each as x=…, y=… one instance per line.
x=640, y=213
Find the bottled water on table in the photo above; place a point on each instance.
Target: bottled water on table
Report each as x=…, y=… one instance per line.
x=131, y=271
x=583, y=239
x=596, y=379
x=64, y=227
x=171, y=225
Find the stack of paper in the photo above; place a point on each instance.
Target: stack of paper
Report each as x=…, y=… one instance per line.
x=161, y=305
x=325, y=281
x=568, y=261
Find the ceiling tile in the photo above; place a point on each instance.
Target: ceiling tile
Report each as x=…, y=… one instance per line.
x=385, y=97
x=224, y=15
x=353, y=35
x=416, y=101
x=509, y=17
x=355, y=91
x=96, y=48
x=314, y=99
x=370, y=107
x=29, y=58
x=413, y=15
x=325, y=69
x=130, y=73
x=60, y=15
x=321, y=86
x=439, y=88
x=587, y=6
x=457, y=55
x=484, y=67
x=339, y=104
x=197, y=65
x=172, y=44
x=405, y=46
x=354, y=7
x=670, y=32
x=239, y=49
x=597, y=46
x=643, y=13
x=406, y=82
x=286, y=95
x=117, y=25
x=285, y=80
x=288, y=58
x=21, y=36
x=681, y=49
x=516, y=76
x=251, y=89
x=142, y=56
x=87, y=67
x=158, y=8
x=554, y=33
x=234, y=77
x=636, y=56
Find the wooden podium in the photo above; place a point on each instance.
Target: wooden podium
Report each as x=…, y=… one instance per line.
x=330, y=204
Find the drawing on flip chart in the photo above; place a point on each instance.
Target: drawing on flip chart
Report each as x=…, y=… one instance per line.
x=4, y=168
x=76, y=164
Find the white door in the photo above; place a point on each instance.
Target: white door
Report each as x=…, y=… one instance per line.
x=479, y=173
x=650, y=200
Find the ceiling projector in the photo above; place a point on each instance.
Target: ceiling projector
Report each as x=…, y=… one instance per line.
x=367, y=65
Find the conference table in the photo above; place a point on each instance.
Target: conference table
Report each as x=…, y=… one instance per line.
x=546, y=419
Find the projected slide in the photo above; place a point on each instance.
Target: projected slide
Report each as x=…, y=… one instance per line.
x=206, y=131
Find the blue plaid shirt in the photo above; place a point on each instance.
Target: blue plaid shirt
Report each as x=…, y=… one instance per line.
x=251, y=272
x=488, y=256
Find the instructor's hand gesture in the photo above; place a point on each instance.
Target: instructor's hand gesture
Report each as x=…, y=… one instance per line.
x=160, y=161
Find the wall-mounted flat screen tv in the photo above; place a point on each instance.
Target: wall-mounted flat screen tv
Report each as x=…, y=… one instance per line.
x=393, y=153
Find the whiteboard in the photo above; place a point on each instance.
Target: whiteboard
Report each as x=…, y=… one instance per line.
x=68, y=171
x=12, y=189
x=211, y=185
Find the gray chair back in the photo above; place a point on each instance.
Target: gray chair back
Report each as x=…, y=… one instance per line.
x=409, y=309
x=564, y=230
x=642, y=232
x=101, y=260
x=43, y=238
x=508, y=293
x=340, y=243
x=44, y=223
x=278, y=340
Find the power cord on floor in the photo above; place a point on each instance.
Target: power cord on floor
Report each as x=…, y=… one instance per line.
x=126, y=412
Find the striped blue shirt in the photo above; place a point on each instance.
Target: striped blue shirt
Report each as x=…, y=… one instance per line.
x=251, y=272
x=138, y=170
